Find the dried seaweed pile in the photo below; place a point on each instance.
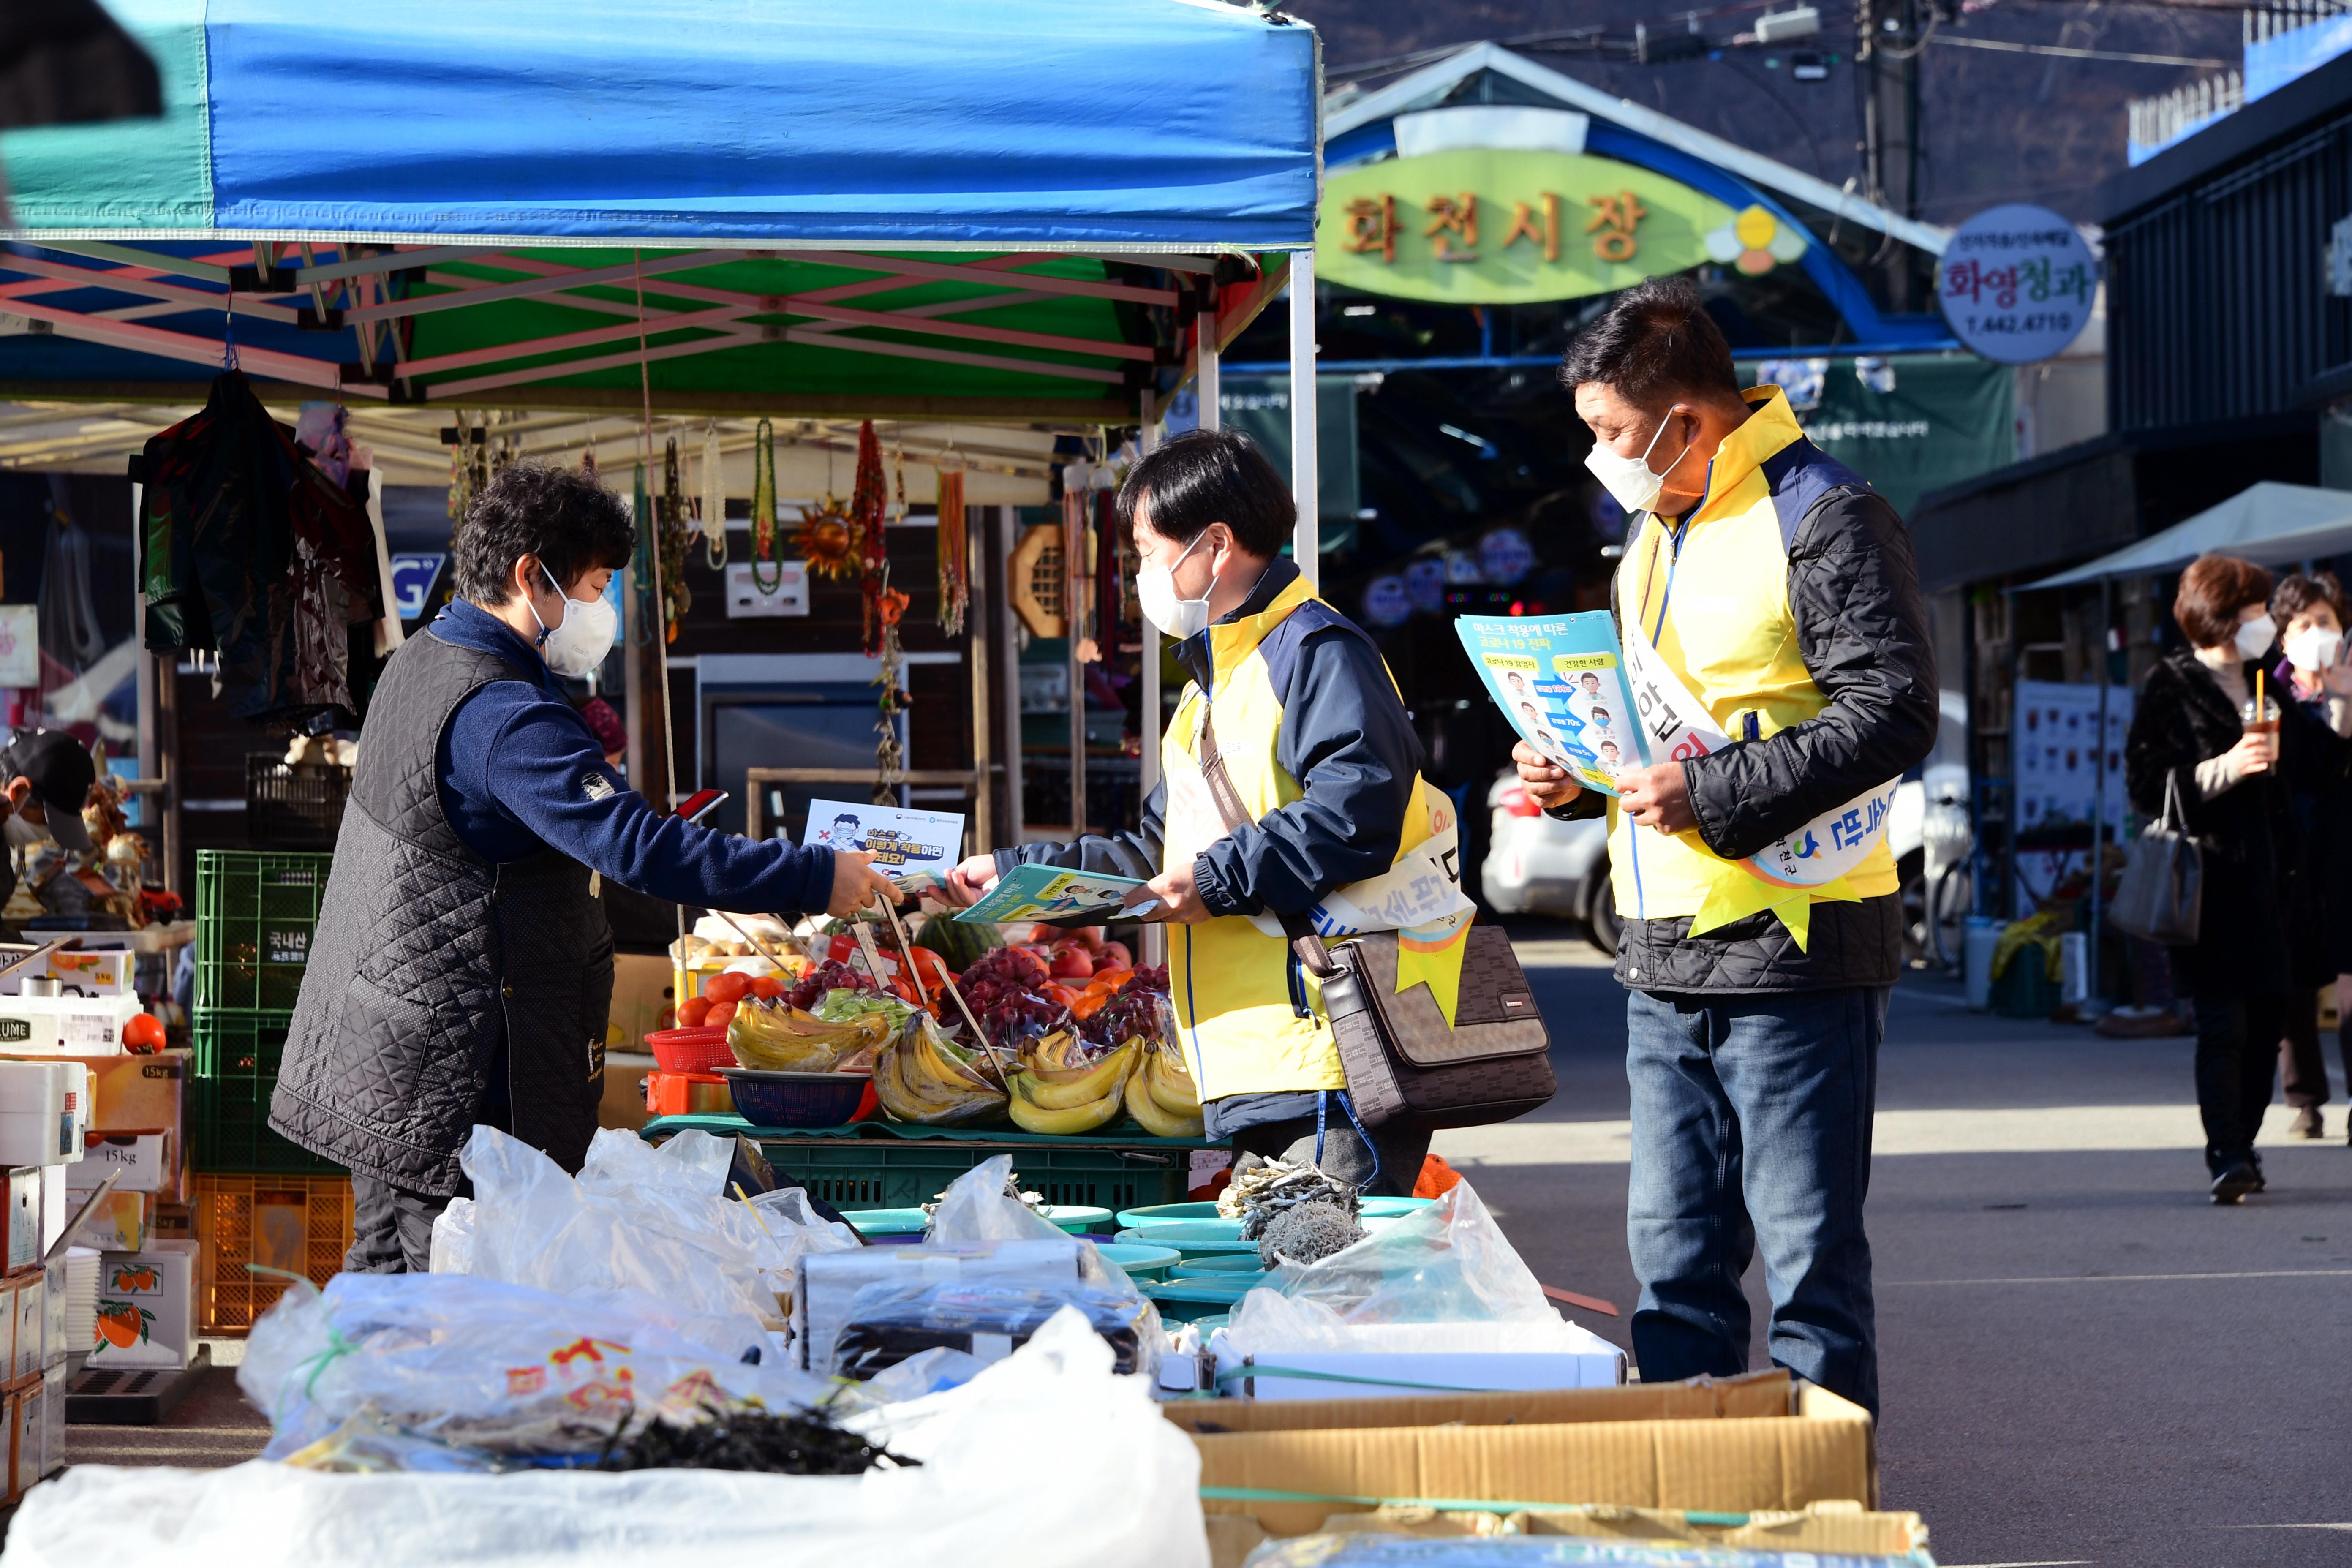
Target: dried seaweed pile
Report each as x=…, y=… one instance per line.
x=746, y=1438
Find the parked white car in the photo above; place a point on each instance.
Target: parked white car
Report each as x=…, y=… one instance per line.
x=1536, y=864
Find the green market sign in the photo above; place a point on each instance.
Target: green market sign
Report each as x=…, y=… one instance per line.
x=1489, y=227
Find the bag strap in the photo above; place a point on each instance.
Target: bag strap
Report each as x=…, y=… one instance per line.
x=2174, y=819
x=1304, y=940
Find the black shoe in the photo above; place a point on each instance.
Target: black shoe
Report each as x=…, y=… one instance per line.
x=2236, y=1180
x=2262, y=1182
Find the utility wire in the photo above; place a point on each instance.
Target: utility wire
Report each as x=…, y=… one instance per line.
x=2065, y=52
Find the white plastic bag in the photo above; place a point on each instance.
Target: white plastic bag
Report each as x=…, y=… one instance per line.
x=652, y=1221
x=974, y=1209
x=477, y=1363
x=452, y=1238
x=1443, y=1278
x=1123, y=1489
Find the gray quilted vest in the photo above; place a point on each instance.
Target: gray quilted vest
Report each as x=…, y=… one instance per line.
x=425, y=951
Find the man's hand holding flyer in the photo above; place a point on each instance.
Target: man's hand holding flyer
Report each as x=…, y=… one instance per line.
x=1561, y=680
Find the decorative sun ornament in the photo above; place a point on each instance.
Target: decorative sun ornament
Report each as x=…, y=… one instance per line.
x=1755, y=242
x=825, y=539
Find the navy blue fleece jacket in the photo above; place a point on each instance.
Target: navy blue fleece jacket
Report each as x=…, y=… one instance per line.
x=1346, y=738
x=519, y=769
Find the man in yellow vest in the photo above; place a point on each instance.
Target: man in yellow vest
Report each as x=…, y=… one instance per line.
x=1769, y=596
x=1323, y=757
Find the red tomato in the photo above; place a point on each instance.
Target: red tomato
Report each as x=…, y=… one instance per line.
x=727, y=986
x=717, y=1015
x=767, y=988
x=143, y=1032
x=694, y=1013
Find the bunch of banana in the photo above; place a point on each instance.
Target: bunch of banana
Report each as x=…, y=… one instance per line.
x=925, y=1077
x=778, y=1036
x=1160, y=1095
x=1069, y=1099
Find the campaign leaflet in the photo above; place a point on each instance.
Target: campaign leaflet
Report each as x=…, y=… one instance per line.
x=1561, y=680
x=916, y=849
x=1051, y=893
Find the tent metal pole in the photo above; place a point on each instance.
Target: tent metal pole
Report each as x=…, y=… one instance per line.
x=1155, y=934
x=1205, y=377
x=1306, y=539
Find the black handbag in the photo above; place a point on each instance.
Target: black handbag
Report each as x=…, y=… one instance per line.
x=2161, y=893
x=1406, y=1066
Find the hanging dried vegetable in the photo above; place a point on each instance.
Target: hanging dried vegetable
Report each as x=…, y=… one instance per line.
x=677, y=539
x=640, y=513
x=763, y=512
x=955, y=548
x=869, y=501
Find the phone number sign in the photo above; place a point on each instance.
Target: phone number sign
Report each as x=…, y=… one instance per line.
x=2017, y=283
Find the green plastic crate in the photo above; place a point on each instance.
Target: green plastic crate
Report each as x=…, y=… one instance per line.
x=229, y=1084
x=256, y=911
x=880, y=1173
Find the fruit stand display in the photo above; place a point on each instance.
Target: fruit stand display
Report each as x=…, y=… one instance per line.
x=1056, y=1050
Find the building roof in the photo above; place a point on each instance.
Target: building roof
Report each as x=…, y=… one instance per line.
x=2232, y=139
x=1418, y=89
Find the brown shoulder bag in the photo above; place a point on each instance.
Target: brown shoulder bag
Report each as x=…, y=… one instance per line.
x=1406, y=1067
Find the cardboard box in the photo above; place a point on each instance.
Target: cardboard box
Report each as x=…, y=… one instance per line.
x=1599, y=1365
x=42, y=1104
x=105, y=972
x=1756, y=1443
x=147, y=1307
x=31, y=1302
x=64, y=1025
x=121, y=1223
x=1839, y=1530
x=54, y=1382
x=55, y=1292
x=129, y=1094
x=20, y=1219
x=145, y=1158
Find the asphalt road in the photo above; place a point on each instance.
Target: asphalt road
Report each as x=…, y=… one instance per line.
x=2083, y=1360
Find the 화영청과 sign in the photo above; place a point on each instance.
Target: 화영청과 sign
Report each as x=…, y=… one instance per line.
x=2017, y=283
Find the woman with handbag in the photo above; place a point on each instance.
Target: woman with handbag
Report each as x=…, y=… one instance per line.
x=2200, y=753
x=2311, y=615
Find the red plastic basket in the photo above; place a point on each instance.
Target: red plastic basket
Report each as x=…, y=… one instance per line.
x=691, y=1050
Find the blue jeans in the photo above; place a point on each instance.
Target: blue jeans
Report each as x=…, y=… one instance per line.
x=1751, y=1123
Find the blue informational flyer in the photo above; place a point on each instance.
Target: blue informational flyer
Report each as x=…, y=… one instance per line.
x=1050, y=893
x=1561, y=680
x=924, y=844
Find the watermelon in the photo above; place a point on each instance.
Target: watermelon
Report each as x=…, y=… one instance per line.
x=958, y=942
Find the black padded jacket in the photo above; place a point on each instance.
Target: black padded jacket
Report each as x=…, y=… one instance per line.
x=1862, y=630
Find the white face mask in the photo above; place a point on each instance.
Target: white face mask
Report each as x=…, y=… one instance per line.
x=2315, y=649
x=21, y=833
x=2256, y=637
x=1155, y=591
x=578, y=642
x=1629, y=479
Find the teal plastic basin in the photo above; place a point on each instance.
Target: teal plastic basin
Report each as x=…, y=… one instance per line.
x=1223, y=1265
x=1194, y=1238
x=1183, y=1301
x=1075, y=1218
x=1170, y=1214
x=1141, y=1263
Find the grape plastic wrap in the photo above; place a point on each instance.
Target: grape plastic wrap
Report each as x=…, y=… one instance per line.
x=987, y=1319
x=484, y=1365
x=1446, y=1268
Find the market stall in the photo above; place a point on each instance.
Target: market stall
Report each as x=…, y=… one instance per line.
x=617, y=252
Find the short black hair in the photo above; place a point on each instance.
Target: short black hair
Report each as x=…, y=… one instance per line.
x=572, y=523
x=1210, y=476
x=1653, y=343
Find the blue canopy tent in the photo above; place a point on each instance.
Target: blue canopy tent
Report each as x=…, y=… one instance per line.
x=1047, y=211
